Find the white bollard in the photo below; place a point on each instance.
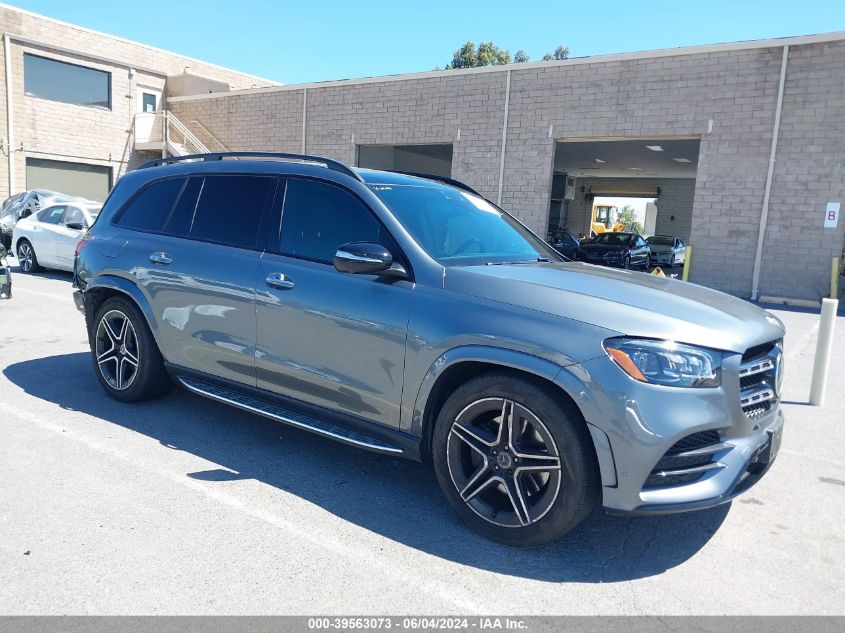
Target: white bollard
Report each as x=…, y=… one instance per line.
x=823, y=347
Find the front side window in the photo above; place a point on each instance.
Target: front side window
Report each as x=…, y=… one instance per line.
x=51, y=215
x=229, y=209
x=60, y=81
x=318, y=218
x=74, y=215
x=458, y=228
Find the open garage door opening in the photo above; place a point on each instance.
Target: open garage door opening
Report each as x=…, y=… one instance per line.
x=595, y=180
x=433, y=159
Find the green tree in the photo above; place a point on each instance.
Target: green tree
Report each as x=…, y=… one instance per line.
x=561, y=52
x=487, y=54
x=628, y=216
x=521, y=57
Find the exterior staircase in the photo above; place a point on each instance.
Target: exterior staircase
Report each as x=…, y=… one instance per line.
x=162, y=131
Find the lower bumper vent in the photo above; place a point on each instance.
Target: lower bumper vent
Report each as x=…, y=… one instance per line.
x=687, y=461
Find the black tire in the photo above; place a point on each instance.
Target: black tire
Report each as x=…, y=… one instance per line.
x=626, y=263
x=27, y=261
x=552, y=502
x=647, y=263
x=672, y=262
x=121, y=377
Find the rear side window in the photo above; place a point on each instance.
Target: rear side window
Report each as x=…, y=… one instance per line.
x=229, y=209
x=317, y=218
x=150, y=209
x=53, y=215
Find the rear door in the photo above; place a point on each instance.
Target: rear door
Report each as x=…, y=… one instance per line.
x=194, y=251
x=336, y=340
x=44, y=234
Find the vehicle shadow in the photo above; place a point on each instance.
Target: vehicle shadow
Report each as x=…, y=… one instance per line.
x=60, y=275
x=392, y=497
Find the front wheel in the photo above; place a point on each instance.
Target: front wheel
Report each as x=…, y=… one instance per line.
x=626, y=263
x=26, y=257
x=126, y=358
x=515, y=461
x=647, y=263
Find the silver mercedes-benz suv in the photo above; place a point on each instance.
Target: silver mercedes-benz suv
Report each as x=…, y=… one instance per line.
x=407, y=315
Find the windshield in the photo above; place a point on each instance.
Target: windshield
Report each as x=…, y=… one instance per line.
x=656, y=240
x=459, y=229
x=613, y=239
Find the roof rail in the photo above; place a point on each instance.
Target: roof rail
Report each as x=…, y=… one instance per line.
x=329, y=163
x=443, y=179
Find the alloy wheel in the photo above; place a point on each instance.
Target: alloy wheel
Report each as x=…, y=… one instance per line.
x=116, y=348
x=25, y=257
x=503, y=462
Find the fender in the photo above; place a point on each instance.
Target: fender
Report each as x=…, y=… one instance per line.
x=127, y=287
x=477, y=353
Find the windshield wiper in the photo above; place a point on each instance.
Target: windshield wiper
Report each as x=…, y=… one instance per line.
x=521, y=261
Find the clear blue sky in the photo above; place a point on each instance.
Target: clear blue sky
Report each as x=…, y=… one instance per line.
x=307, y=40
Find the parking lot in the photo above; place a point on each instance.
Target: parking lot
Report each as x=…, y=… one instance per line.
x=185, y=506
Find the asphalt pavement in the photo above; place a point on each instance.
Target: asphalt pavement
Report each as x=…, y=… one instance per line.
x=186, y=506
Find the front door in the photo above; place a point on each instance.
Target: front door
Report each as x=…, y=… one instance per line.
x=328, y=338
x=67, y=238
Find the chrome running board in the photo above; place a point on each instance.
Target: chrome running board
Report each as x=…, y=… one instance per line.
x=287, y=416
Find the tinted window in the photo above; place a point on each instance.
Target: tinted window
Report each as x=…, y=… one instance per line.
x=51, y=215
x=60, y=81
x=151, y=208
x=318, y=218
x=179, y=222
x=229, y=209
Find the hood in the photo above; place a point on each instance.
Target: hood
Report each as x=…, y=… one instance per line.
x=631, y=303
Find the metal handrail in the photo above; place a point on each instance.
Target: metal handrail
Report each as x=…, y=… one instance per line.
x=207, y=132
x=329, y=163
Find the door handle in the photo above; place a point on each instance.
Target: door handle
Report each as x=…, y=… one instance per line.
x=161, y=258
x=279, y=280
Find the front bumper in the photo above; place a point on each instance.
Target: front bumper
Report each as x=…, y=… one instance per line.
x=639, y=425
x=79, y=300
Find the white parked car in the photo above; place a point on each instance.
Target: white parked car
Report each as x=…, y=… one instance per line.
x=48, y=239
x=667, y=250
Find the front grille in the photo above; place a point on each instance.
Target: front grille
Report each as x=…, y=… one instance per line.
x=758, y=374
x=689, y=459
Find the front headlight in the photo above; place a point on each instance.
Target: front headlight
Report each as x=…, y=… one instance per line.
x=666, y=362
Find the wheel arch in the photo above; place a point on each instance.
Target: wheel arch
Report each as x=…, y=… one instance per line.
x=458, y=365
x=107, y=286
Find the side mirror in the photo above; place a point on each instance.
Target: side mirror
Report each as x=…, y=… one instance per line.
x=365, y=258
x=75, y=226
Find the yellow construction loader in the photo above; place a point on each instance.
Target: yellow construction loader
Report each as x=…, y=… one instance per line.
x=604, y=216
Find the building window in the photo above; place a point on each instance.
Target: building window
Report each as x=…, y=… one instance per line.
x=59, y=81
x=148, y=102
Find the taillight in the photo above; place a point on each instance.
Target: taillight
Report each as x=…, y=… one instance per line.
x=81, y=244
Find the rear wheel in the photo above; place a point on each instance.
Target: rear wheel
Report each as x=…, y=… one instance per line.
x=514, y=461
x=126, y=358
x=26, y=257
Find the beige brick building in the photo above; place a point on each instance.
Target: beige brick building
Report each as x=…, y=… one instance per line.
x=506, y=127
x=742, y=145
x=53, y=137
